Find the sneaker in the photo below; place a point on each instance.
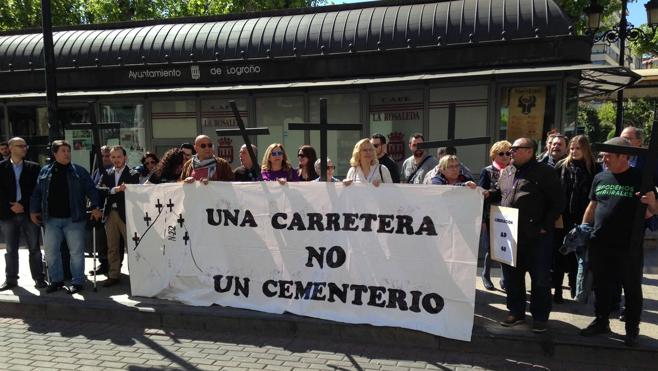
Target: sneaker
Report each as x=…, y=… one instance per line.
x=597, y=327
x=486, y=281
x=539, y=326
x=512, y=321
x=54, y=286
x=40, y=284
x=73, y=289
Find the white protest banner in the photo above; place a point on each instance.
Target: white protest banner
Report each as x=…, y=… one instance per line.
x=394, y=255
x=504, y=225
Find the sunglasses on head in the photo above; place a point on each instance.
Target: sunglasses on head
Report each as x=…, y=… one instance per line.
x=508, y=153
x=277, y=153
x=205, y=145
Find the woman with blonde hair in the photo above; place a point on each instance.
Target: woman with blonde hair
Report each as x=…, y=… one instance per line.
x=276, y=166
x=576, y=173
x=501, y=156
x=365, y=167
x=449, y=173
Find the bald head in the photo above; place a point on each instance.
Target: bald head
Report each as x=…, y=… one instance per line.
x=203, y=147
x=633, y=135
x=523, y=150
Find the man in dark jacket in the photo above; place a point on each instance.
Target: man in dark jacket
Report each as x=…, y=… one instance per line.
x=112, y=185
x=534, y=189
x=379, y=142
x=59, y=201
x=17, y=180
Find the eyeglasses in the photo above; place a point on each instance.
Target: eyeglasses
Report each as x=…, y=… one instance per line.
x=205, y=145
x=277, y=153
x=301, y=155
x=508, y=153
x=456, y=166
x=514, y=149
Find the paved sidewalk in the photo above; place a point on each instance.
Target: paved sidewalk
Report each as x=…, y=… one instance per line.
x=115, y=306
x=35, y=344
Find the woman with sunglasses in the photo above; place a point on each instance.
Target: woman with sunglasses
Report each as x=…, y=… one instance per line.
x=149, y=161
x=501, y=156
x=576, y=172
x=275, y=165
x=307, y=157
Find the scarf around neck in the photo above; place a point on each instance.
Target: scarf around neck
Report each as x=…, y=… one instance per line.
x=210, y=164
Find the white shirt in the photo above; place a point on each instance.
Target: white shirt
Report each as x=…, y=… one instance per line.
x=117, y=176
x=356, y=175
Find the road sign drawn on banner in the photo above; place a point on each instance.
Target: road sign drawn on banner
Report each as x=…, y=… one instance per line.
x=504, y=222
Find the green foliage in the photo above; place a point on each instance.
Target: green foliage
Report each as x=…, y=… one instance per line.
x=575, y=9
x=599, y=121
x=588, y=118
x=20, y=14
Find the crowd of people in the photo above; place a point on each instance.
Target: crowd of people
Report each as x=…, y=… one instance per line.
x=575, y=212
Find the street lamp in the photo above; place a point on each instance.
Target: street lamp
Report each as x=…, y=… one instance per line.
x=621, y=32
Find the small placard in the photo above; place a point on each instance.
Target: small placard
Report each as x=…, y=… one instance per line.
x=504, y=224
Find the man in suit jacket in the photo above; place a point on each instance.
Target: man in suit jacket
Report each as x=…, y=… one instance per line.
x=17, y=181
x=113, y=184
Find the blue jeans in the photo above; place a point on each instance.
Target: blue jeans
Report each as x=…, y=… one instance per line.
x=535, y=258
x=11, y=228
x=58, y=229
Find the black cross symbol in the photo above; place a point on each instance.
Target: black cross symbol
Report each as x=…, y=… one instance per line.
x=159, y=206
x=180, y=220
x=170, y=205
x=136, y=239
x=147, y=219
x=323, y=127
x=186, y=237
x=651, y=159
x=244, y=132
x=452, y=142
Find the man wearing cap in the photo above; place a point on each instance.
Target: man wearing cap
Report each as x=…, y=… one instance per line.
x=614, y=199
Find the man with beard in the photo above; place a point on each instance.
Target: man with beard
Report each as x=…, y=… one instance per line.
x=418, y=164
x=4, y=151
x=379, y=142
x=557, y=150
x=115, y=210
x=246, y=172
x=205, y=166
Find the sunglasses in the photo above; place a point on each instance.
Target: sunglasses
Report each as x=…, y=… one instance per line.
x=508, y=153
x=277, y=153
x=205, y=145
x=514, y=149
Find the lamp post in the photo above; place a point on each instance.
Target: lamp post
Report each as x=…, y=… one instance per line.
x=621, y=32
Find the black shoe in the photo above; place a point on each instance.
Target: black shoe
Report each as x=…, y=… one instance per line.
x=502, y=284
x=8, y=285
x=597, y=327
x=557, y=297
x=111, y=282
x=73, y=289
x=54, y=286
x=101, y=270
x=486, y=281
x=622, y=315
x=539, y=326
x=512, y=321
x=40, y=284
x=631, y=339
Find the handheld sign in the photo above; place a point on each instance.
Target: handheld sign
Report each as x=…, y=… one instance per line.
x=504, y=225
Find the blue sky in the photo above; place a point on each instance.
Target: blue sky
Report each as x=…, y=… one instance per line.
x=637, y=15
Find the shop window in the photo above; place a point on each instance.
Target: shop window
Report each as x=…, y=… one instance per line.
x=174, y=119
x=471, y=105
x=527, y=112
x=341, y=109
x=31, y=124
x=217, y=114
x=276, y=113
x=397, y=115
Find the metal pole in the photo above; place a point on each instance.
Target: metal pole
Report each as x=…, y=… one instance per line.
x=623, y=25
x=54, y=131
x=323, y=139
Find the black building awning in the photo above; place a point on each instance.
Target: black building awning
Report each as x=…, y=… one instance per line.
x=363, y=40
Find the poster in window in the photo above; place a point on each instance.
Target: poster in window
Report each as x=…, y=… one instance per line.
x=526, y=112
